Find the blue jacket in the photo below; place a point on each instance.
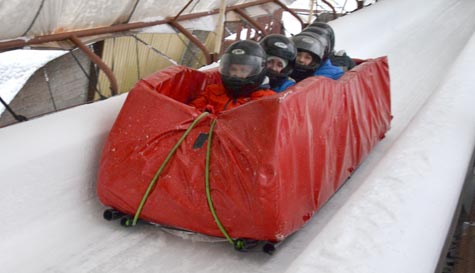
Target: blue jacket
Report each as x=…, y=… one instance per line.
x=286, y=84
x=327, y=69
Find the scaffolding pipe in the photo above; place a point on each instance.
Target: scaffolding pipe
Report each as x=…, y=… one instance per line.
x=251, y=21
x=193, y=39
x=98, y=61
x=19, y=43
x=293, y=13
x=333, y=9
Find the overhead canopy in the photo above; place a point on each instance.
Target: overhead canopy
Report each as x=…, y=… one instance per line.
x=25, y=20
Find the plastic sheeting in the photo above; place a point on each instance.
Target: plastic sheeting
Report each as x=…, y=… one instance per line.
x=274, y=162
x=29, y=18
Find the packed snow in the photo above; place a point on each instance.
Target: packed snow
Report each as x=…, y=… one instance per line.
x=392, y=215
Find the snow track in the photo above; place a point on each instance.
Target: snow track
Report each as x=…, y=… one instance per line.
x=393, y=215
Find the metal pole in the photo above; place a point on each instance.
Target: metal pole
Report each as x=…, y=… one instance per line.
x=251, y=21
x=97, y=60
x=19, y=118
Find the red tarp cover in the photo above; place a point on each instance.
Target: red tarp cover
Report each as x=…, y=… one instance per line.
x=274, y=161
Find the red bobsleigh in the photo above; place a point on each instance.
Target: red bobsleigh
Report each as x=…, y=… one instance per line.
x=272, y=163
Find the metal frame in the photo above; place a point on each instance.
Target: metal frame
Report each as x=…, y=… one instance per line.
x=251, y=21
x=97, y=60
x=20, y=43
x=333, y=8
x=74, y=36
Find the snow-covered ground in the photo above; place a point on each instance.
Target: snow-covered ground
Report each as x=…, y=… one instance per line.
x=17, y=66
x=393, y=215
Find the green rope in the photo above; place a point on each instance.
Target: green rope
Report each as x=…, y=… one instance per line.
x=238, y=244
x=167, y=159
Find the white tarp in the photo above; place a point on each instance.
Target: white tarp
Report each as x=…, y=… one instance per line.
x=26, y=19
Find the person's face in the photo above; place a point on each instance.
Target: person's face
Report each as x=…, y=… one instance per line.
x=304, y=58
x=240, y=70
x=275, y=65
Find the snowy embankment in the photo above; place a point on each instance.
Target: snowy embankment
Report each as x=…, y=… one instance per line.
x=17, y=68
x=392, y=216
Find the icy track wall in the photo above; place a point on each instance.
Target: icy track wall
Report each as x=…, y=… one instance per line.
x=391, y=216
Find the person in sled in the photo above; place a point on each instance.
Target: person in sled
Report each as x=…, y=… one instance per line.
x=342, y=60
x=281, y=54
x=313, y=51
x=338, y=58
x=243, y=75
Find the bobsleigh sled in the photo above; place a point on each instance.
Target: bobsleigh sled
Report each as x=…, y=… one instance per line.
x=258, y=171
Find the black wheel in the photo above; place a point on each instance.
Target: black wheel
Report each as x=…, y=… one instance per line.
x=112, y=214
x=245, y=244
x=269, y=248
x=126, y=221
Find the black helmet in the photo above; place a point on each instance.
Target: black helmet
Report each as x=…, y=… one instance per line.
x=246, y=53
x=326, y=34
x=328, y=28
x=315, y=46
x=282, y=47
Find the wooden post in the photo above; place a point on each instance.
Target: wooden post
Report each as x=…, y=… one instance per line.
x=360, y=4
x=220, y=30
x=310, y=12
